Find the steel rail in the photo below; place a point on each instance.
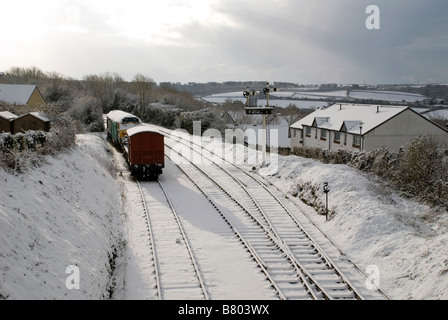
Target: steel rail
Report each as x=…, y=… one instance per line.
x=283, y=244
x=187, y=244
x=324, y=256
x=246, y=244
x=153, y=247
x=274, y=238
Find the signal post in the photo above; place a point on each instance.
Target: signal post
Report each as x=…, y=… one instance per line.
x=266, y=110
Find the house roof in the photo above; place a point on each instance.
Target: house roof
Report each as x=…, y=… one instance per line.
x=349, y=117
x=16, y=93
x=36, y=115
x=7, y=115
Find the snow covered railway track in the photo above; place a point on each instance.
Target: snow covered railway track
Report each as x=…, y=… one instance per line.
x=176, y=272
x=263, y=250
x=286, y=239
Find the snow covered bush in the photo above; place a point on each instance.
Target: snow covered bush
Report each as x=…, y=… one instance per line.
x=157, y=113
x=88, y=111
x=22, y=150
x=420, y=171
x=209, y=118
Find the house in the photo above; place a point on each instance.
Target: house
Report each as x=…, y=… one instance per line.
x=30, y=121
x=6, y=118
x=21, y=94
x=364, y=128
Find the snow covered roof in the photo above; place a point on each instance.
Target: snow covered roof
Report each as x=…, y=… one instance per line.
x=36, y=115
x=16, y=93
x=119, y=116
x=7, y=115
x=40, y=116
x=140, y=129
x=349, y=117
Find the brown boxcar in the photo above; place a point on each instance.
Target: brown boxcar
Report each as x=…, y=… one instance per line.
x=145, y=152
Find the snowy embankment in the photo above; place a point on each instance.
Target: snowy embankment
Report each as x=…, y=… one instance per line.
x=406, y=241
x=60, y=226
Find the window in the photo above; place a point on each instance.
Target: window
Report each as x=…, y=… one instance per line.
x=357, y=141
x=337, y=137
x=323, y=134
x=308, y=131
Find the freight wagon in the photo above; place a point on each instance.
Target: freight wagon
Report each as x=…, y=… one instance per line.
x=145, y=152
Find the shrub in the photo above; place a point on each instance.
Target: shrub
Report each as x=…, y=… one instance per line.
x=420, y=171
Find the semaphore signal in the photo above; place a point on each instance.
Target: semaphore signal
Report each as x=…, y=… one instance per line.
x=255, y=110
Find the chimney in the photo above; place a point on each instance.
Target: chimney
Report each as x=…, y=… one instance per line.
x=377, y=109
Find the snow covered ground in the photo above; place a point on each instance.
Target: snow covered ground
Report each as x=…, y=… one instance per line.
x=60, y=223
x=69, y=212
x=405, y=240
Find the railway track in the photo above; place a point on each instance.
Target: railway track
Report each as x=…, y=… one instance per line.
x=296, y=267
x=320, y=277
x=170, y=248
x=272, y=208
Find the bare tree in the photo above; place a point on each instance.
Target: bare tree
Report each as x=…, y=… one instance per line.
x=291, y=114
x=143, y=86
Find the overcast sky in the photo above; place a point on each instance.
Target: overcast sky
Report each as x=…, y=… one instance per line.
x=300, y=41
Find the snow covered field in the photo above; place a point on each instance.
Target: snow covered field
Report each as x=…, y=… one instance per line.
x=68, y=212
x=300, y=99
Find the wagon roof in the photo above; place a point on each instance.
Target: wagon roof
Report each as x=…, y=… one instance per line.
x=118, y=115
x=141, y=129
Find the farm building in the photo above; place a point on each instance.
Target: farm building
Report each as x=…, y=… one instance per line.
x=6, y=121
x=364, y=128
x=21, y=94
x=30, y=121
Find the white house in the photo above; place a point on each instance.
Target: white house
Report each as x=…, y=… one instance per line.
x=364, y=128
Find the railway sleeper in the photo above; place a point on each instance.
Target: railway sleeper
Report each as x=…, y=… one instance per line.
x=303, y=251
x=309, y=259
x=328, y=276
x=345, y=295
x=335, y=286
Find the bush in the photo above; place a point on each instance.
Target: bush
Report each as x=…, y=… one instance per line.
x=156, y=113
x=88, y=111
x=420, y=171
x=21, y=150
